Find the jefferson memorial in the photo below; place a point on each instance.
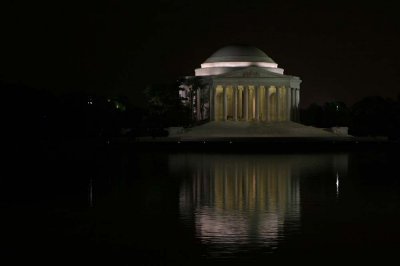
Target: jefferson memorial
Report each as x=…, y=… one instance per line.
x=242, y=83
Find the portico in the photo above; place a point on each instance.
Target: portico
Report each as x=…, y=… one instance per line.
x=268, y=103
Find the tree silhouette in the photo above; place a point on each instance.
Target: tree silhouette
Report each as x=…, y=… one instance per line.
x=165, y=108
x=372, y=116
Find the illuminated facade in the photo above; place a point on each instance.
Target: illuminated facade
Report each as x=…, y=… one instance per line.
x=241, y=83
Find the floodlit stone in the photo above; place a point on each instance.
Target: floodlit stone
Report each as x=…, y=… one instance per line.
x=241, y=83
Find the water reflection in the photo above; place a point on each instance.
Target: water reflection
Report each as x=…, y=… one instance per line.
x=237, y=202
x=337, y=184
x=90, y=193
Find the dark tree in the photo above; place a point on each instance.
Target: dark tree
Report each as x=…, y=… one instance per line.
x=312, y=116
x=335, y=114
x=372, y=116
x=329, y=115
x=165, y=108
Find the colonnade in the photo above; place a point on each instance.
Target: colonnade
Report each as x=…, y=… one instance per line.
x=267, y=103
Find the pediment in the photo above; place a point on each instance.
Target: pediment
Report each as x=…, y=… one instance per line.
x=252, y=72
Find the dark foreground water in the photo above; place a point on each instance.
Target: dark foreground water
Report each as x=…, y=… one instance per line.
x=82, y=204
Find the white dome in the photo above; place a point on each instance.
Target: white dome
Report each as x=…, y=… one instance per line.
x=239, y=53
x=234, y=57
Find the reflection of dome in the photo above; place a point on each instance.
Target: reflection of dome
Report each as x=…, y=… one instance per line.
x=234, y=57
x=239, y=53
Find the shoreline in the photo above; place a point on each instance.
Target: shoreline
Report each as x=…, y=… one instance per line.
x=243, y=145
x=270, y=144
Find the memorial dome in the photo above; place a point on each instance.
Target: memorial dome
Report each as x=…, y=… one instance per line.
x=239, y=53
x=234, y=57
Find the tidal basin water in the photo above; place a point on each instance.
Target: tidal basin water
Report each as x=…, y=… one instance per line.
x=124, y=207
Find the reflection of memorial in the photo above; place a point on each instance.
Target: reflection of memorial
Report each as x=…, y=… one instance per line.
x=235, y=200
x=239, y=199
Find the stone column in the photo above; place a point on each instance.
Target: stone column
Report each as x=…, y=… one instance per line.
x=293, y=104
x=215, y=103
x=267, y=109
x=211, y=104
x=246, y=103
x=278, y=104
x=235, y=102
x=225, y=110
x=288, y=104
x=240, y=103
x=297, y=105
x=257, y=96
x=198, y=111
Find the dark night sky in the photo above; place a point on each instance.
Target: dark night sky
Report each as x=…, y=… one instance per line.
x=341, y=50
